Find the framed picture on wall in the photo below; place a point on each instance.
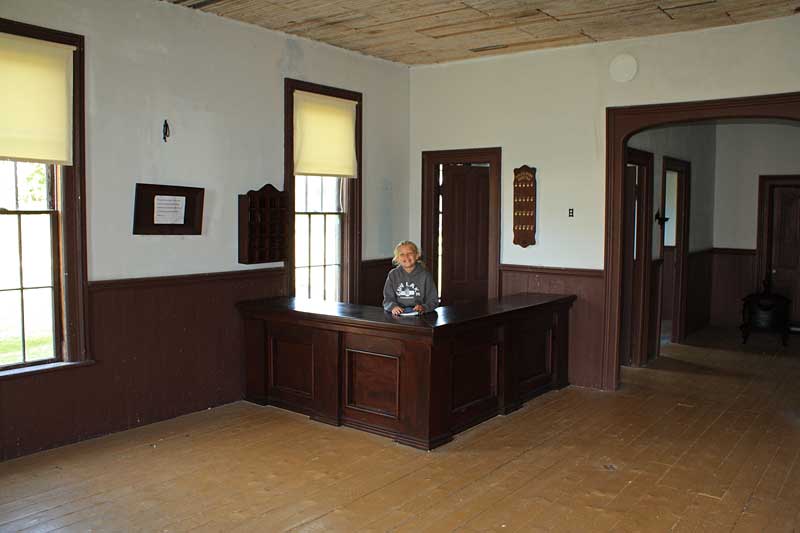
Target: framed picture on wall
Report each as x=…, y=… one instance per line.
x=167, y=210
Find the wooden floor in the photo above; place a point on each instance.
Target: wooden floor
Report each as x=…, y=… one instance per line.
x=704, y=440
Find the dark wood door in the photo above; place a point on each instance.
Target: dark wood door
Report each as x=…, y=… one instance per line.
x=785, y=245
x=465, y=232
x=637, y=256
x=628, y=262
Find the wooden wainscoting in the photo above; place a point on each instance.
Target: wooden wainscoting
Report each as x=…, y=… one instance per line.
x=698, y=297
x=586, y=315
x=162, y=347
x=373, y=276
x=733, y=276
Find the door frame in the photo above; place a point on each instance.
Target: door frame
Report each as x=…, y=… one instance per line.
x=766, y=182
x=621, y=124
x=430, y=222
x=682, y=210
x=640, y=297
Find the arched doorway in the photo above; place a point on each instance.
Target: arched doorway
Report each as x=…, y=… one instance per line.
x=621, y=124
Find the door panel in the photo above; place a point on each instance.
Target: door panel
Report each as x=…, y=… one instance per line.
x=465, y=233
x=629, y=229
x=637, y=256
x=785, y=245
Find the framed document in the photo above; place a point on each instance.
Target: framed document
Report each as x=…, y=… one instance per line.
x=167, y=210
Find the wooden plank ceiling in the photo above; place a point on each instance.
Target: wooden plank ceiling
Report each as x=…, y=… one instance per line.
x=435, y=31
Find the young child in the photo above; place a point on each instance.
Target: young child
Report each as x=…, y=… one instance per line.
x=409, y=285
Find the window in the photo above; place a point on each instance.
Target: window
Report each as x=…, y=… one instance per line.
x=42, y=214
x=29, y=310
x=319, y=212
x=326, y=189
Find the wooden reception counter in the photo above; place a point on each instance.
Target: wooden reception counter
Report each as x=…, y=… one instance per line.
x=419, y=380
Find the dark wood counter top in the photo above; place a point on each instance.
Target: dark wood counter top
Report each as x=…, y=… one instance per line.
x=426, y=324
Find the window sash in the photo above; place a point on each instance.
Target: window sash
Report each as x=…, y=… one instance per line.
x=22, y=287
x=312, y=262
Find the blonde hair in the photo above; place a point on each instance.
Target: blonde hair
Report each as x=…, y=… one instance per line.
x=413, y=245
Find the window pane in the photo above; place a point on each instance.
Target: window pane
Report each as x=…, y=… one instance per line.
x=333, y=240
x=314, y=186
x=37, y=253
x=301, y=282
x=332, y=283
x=32, y=185
x=8, y=195
x=317, y=283
x=10, y=328
x=301, y=240
x=38, y=324
x=9, y=244
x=300, y=193
x=317, y=239
x=331, y=194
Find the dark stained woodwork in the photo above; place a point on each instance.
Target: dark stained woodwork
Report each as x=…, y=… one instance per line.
x=681, y=257
x=372, y=279
x=144, y=206
x=636, y=305
x=632, y=194
x=263, y=225
x=430, y=221
x=779, y=237
x=586, y=316
x=668, y=283
x=163, y=347
x=524, y=206
x=418, y=380
x=621, y=124
x=372, y=382
x=351, y=228
x=655, y=317
x=698, y=300
x=465, y=233
x=733, y=276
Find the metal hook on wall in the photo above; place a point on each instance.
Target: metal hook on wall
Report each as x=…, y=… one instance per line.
x=165, y=130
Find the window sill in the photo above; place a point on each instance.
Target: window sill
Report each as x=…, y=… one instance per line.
x=41, y=369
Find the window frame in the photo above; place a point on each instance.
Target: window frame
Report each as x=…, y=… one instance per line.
x=70, y=187
x=351, y=221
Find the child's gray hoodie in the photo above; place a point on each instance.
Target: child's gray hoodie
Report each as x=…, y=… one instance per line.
x=406, y=289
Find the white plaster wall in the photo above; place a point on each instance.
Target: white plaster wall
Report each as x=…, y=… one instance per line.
x=695, y=143
x=744, y=151
x=547, y=109
x=220, y=85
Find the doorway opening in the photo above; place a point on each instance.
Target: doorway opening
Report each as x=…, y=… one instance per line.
x=461, y=222
x=621, y=125
x=778, y=251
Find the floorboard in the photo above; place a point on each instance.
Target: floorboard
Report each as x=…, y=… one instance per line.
x=707, y=438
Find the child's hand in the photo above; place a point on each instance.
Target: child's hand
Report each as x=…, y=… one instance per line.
x=419, y=309
x=397, y=310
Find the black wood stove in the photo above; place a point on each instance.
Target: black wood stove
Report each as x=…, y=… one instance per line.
x=765, y=311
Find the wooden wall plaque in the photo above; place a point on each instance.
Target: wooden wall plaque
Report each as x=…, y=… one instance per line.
x=147, y=219
x=524, y=206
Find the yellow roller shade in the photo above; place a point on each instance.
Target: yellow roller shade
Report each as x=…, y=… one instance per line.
x=35, y=100
x=324, y=135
